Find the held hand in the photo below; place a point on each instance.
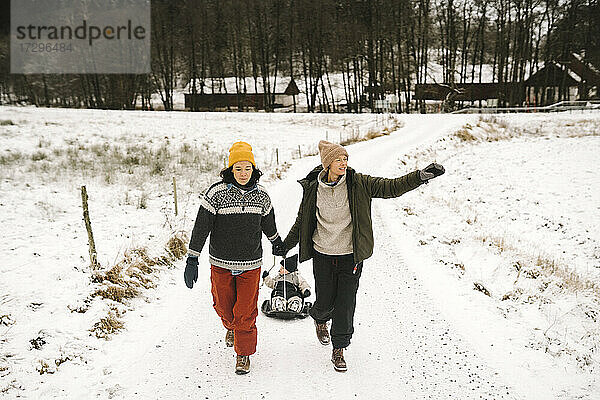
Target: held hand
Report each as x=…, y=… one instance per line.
x=191, y=271
x=431, y=171
x=306, y=293
x=278, y=248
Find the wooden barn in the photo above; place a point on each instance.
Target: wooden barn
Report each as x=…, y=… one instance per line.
x=549, y=85
x=568, y=80
x=218, y=97
x=466, y=91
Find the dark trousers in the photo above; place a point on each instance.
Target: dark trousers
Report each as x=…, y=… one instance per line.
x=336, y=284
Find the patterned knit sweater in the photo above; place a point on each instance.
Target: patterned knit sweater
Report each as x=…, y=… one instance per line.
x=235, y=219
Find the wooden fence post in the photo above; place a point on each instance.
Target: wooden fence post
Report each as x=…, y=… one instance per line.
x=175, y=194
x=88, y=227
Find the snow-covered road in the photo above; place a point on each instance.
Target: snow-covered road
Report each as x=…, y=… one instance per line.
x=402, y=347
x=417, y=336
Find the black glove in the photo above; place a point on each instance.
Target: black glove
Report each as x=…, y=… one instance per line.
x=278, y=248
x=306, y=293
x=191, y=271
x=291, y=263
x=431, y=171
x=265, y=274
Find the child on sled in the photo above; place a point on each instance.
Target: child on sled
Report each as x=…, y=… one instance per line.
x=289, y=287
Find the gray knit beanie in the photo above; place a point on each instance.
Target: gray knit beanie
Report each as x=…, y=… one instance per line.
x=329, y=152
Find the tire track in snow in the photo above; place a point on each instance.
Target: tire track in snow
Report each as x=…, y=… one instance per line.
x=182, y=354
x=432, y=359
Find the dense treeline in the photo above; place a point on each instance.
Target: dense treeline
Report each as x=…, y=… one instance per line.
x=376, y=45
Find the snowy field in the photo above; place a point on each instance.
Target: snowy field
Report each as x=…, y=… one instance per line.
x=485, y=283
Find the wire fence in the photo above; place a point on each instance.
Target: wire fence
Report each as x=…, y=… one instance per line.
x=580, y=105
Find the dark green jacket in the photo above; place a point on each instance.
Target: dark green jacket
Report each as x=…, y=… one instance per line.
x=361, y=189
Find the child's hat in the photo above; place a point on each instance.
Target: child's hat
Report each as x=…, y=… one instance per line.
x=291, y=263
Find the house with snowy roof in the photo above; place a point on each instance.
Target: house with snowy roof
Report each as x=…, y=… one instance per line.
x=240, y=94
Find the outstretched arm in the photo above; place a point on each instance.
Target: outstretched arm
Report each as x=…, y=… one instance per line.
x=388, y=188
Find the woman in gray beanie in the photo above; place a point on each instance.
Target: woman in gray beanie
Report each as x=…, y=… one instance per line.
x=334, y=228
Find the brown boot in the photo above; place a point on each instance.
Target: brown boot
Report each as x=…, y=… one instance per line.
x=337, y=358
x=322, y=333
x=229, y=338
x=242, y=365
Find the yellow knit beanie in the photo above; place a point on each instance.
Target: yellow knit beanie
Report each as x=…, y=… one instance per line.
x=240, y=151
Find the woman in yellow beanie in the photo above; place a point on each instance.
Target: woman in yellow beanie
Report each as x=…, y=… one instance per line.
x=235, y=211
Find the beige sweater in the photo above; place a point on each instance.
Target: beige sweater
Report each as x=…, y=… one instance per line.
x=333, y=235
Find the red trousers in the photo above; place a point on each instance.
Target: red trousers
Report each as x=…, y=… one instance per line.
x=235, y=299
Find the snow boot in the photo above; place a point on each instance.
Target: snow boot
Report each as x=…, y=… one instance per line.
x=337, y=358
x=294, y=304
x=242, y=365
x=229, y=338
x=322, y=333
x=278, y=303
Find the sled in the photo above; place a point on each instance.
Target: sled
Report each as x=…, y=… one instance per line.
x=266, y=309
